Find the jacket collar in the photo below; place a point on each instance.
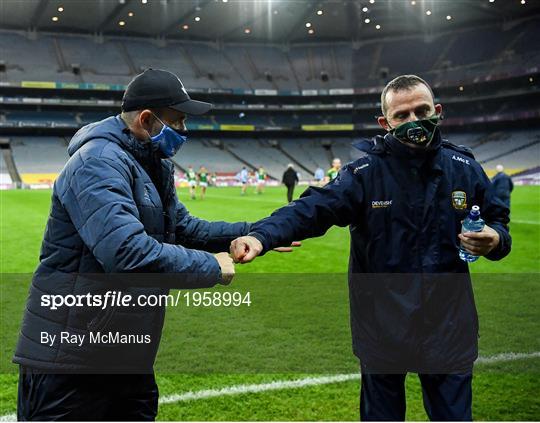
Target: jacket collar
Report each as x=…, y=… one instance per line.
x=389, y=145
x=428, y=157
x=142, y=151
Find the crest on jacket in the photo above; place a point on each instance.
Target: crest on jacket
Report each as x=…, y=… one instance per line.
x=459, y=200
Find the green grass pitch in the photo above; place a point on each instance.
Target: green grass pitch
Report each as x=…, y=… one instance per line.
x=508, y=301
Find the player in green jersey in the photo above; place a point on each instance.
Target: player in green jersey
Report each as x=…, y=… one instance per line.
x=261, y=179
x=202, y=176
x=333, y=171
x=191, y=177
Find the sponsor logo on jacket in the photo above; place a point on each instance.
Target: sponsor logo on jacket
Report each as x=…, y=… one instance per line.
x=359, y=168
x=381, y=204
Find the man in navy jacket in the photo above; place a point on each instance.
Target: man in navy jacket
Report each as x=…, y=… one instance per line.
x=115, y=212
x=412, y=305
x=502, y=185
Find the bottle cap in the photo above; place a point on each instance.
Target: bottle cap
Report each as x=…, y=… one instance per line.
x=475, y=213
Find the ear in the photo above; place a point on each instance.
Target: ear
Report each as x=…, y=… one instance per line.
x=383, y=123
x=438, y=109
x=145, y=118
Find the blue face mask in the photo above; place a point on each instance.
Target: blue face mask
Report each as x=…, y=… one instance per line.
x=168, y=141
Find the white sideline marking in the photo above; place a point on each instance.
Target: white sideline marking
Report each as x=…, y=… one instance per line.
x=506, y=357
x=260, y=387
x=311, y=381
x=525, y=222
x=294, y=384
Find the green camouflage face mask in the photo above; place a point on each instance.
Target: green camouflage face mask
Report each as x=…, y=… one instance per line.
x=419, y=132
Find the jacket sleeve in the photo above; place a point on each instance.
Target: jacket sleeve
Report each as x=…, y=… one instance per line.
x=495, y=214
x=317, y=209
x=100, y=203
x=214, y=237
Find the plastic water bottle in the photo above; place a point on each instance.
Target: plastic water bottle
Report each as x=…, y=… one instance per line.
x=472, y=223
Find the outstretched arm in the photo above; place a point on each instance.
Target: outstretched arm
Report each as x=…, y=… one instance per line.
x=310, y=216
x=100, y=204
x=214, y=237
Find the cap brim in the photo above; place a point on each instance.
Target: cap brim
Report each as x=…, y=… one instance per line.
x=192, y=107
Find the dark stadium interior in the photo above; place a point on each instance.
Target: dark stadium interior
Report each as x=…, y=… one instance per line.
x=296, y=79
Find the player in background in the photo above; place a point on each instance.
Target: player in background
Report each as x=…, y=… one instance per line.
x=503, y=185
x=202, y=177
x=261, y=179
x=290, y=180
x=191, y=177
x=319, y=176
x=243, y=177
x=333, y=171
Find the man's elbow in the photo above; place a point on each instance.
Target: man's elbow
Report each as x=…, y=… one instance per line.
x=130, y=256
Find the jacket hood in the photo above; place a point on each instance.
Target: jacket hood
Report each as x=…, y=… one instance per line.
x=112, y=128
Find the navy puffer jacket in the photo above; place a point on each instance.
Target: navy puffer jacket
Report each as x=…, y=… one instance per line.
x=114, y=211
x=411, y=298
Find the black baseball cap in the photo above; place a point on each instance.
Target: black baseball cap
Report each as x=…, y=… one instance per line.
x=160, y=88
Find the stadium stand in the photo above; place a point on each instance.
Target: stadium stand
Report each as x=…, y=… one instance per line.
x=232, y=69
x=501, y=143
x=97, y=62
x=38, y=158
x=518, y=160
x=516, y=150
x=5, y=178
x=446, y=57
x=214, y=67
x=39, y=155
x=179, y=59
x=257, y=153
x=43, y=116
x=200, y=152
x=309, y=152
x=31, y=60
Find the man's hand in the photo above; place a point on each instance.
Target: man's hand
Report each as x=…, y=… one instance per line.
x=245, y=249
x=480, y=243
x=227, y=267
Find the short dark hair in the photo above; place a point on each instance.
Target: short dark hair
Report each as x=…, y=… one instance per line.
x=402, y=82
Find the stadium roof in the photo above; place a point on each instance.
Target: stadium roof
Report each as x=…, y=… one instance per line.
x=277, y=21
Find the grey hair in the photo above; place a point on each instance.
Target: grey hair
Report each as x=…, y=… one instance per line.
x=129, y=117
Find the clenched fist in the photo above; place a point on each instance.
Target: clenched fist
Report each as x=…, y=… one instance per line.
x=245, y=249
x=226, y=265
